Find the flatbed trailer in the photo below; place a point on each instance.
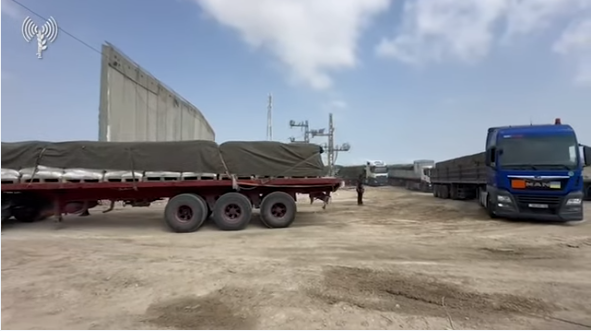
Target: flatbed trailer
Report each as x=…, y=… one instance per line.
x=229, y=201
x=460, y=178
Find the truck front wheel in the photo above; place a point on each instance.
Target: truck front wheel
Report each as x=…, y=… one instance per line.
x=490, y=209
x=278, y=210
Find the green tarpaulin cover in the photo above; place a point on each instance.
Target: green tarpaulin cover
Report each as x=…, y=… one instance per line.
x=261, y=158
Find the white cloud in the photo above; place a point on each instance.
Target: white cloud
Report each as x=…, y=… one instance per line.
x=444, y=29
x=11, y=9
x=311, y=37
x=337, y=104
x=575, y=44
x=466, y=30
x=526, y=16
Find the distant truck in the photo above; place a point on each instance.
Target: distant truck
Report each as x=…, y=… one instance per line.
x=350, y=174
x=415, y=176
x=529, y=172
x=376, y=173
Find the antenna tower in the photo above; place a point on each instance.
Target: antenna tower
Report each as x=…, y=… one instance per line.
x=270, y=117
x=331, y=149
x=305, y=126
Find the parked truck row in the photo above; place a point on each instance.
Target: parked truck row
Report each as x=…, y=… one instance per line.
x=530, y=171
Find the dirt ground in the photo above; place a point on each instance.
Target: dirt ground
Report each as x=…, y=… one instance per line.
x=402, y=261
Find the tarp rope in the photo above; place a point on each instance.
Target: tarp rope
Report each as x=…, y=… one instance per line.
x=132, y=165
x=37, y=162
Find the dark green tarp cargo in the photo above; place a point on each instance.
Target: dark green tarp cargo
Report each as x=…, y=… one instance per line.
x=351, y=172
x=196, y=156
x=270, y=158
x=261, y=158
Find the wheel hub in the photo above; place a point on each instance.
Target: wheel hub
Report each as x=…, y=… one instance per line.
x=184, y=213
x=278, y=210
x=232, y=211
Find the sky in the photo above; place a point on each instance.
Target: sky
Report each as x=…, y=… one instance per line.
x=405, y=79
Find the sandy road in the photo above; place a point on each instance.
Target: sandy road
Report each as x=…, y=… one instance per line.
x=404, y=260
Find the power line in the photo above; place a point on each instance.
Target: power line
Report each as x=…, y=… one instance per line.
x=60, y=28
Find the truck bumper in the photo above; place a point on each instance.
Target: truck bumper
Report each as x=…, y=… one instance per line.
x=560, y=217
x=556, y=208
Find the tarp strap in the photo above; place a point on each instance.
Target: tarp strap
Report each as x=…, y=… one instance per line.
x=235, y=185
x=132, y=164
x=37, y=162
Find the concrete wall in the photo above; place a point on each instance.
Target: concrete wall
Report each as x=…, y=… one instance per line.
x=135, y=106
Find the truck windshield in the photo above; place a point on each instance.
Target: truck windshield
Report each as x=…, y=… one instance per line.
x=379, y=170
x=544, y=151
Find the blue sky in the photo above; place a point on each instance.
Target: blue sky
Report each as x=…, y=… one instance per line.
x=415, y=79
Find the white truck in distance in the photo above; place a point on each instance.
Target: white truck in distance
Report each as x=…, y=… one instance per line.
x=415, y=176
x=376, y=173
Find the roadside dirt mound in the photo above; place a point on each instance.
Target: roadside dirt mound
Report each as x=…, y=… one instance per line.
x=217, y=310
x=415, y=295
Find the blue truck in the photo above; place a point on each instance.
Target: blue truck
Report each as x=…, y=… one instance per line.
x=526, y=172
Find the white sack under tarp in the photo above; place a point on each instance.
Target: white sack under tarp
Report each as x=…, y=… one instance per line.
x=161, y=175
x=82, y=174
x=196, y=175
x=123, y=175
x=10, y=175
x=43, y=172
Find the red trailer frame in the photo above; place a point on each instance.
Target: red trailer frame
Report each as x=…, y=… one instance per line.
x=191, y=202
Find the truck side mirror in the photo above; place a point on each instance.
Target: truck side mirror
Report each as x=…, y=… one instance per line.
x=490, y=156
x=587, y=155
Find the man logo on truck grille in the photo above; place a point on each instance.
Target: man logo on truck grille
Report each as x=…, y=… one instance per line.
x=45, y=35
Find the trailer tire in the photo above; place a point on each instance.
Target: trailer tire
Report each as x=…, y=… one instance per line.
x=278, y=210
x=27, y=214
x=185, y=212
x=232, y=211
x=444, y=193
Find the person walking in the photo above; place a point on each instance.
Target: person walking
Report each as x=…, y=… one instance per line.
x=360, y=190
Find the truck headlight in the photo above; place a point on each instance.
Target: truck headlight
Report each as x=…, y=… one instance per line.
x=504, y=199
x=574, y=201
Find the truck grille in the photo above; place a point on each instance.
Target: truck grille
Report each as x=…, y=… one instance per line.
x=551, y=201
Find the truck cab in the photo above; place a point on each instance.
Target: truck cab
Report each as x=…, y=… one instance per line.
x=376, y=173
x=534, y=172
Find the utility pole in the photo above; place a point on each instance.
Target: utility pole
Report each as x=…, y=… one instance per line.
x=270, y=117
x=331, y=149
x=305, y=126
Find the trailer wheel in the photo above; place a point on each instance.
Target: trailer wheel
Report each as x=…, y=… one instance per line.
x=278, y=210
x=444, y=193
x=27, y=214
x=232, y=211
x=185, y=212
